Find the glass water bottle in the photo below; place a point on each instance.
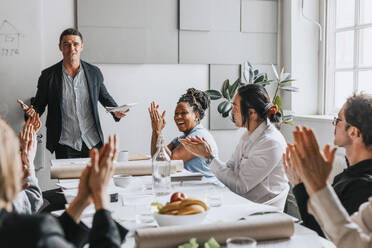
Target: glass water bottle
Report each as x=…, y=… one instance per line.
x=161, y=168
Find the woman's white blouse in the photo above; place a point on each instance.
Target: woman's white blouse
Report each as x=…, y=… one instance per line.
x=255, y=169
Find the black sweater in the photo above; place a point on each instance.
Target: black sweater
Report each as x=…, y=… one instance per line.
x=45, y=231
x=353, y=187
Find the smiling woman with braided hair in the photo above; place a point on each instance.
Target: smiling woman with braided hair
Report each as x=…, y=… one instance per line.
x=190, y=110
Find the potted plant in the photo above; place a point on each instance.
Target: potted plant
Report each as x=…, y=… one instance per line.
x=253, y=76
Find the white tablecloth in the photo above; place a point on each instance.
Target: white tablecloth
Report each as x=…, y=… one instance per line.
x=134, y=200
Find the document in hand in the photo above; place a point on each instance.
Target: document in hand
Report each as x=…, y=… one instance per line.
x=124, y=107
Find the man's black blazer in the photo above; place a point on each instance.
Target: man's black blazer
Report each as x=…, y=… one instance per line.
x=49, y=93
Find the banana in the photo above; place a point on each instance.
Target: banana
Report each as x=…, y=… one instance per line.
x=170, y=207
x=172, y=212
x=190, y=201
x=191, y=209
x=184, y=207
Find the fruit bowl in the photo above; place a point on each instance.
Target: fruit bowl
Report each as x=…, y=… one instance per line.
x=176, y=220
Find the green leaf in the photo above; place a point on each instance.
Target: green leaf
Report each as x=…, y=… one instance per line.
x=246, y=72
x=289, y=123
x=251, y=76
x=214, y=94
x=191, y=244
x=224, y=108
x=234, y=87
x=281, y=74
x=289, y=88
x=288, y=118
x=269, y=81
x=264, y=83
x=275, y=72
x=278, y=101
x=225, y=89
x=211, y=243
x=286, y=76
x=287, y=81
x=259, y=79
x=225, y=114
x=260, y=74
x=256, y=72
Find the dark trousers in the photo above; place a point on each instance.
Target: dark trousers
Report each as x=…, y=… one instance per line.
x=55, y=197
x=63, y=151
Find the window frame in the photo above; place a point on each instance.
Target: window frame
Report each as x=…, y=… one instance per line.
x=330, y=52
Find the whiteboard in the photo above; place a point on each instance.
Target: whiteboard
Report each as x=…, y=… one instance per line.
x=20, y=55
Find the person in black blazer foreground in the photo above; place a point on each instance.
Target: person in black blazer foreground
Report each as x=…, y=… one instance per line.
x=67, y=230
x=71, y=89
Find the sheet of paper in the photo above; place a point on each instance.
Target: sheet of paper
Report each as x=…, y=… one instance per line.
x=124, y=107
x=68, y=162
x=68, y=184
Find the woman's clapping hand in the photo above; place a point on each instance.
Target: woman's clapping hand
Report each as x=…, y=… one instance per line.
x=157, y=121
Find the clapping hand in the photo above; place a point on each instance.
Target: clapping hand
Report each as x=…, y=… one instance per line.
x=94, y=180
x=28, y=142
x=197, y=146
x=102, y=169
x=312, y=167
x=290, y=167
x=36, y=122
x=29, y=110
x=157, y=121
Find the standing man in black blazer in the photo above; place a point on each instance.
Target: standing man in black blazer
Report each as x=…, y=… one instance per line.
x=71, y=89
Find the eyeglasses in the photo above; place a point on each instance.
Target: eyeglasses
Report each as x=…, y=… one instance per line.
x=335, y=121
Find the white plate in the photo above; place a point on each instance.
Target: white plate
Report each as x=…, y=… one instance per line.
x=124, y=107
x=176, y=220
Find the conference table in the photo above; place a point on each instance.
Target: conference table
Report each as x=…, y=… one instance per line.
x=133, y=208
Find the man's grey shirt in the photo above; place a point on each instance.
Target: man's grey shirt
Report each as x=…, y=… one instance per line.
x=77, y=116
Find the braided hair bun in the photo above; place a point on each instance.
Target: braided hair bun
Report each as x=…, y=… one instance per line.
x=197, y=99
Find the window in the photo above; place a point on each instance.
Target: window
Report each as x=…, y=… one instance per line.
x=349, y=50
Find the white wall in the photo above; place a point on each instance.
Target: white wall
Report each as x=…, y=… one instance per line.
x=142, y=84
x=132, y=83
x=56, y=16
x=300, y=49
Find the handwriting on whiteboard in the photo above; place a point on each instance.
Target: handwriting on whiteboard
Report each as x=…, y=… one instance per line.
x=9, y=39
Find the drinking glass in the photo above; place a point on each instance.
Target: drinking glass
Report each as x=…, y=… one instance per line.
x=213, y=197
x=138, y=207
x=236, y=242
x=143, y=209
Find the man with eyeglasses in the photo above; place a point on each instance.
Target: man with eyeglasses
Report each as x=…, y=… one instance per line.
x=354, y=185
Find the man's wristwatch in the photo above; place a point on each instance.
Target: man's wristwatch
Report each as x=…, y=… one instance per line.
x=209, y=159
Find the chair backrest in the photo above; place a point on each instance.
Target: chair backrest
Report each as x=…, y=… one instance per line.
x=279, y=200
